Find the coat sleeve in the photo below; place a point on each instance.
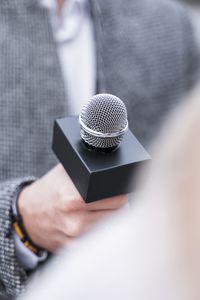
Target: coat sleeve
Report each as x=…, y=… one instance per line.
x=12, y=276
x=191, y=54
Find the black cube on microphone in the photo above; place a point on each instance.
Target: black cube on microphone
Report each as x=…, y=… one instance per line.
x=97, y=175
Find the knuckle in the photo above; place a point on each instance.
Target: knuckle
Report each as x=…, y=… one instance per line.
x=76, y=228
x=76, y=203
x=72, y=204
x=67, y=201
x=122, y=200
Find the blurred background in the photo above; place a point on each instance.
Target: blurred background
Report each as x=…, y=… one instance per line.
x=194, y=7
x=193, y=2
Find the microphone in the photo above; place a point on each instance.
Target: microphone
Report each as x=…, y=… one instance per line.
x=97, y=149
x=103, y=122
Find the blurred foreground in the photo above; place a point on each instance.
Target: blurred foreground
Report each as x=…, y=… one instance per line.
x=152, y=252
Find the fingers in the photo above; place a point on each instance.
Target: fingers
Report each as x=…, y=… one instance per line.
x=75, y=203
x=72, y=200
x=108, y=203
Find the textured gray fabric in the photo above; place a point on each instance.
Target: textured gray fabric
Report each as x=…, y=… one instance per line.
x=12, y=275
x=145, y=54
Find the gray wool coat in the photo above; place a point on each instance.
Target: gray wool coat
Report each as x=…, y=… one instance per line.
x=146, y=55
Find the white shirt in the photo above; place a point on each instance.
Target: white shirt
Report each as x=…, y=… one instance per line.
x=73, y=33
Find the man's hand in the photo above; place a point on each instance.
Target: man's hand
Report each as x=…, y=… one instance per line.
x=54, y=213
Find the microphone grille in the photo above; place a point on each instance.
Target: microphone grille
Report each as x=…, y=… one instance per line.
x=104, y=114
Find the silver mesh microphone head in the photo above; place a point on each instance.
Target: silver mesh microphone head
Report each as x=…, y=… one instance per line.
x=103, y=121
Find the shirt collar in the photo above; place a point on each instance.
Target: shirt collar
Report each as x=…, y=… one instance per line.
x=52, y=4
x=67, y=25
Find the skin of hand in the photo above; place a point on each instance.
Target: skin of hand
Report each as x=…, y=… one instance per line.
x=54, y=213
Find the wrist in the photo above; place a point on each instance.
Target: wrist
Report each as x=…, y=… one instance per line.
x=21, y=203
x=20, y=225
